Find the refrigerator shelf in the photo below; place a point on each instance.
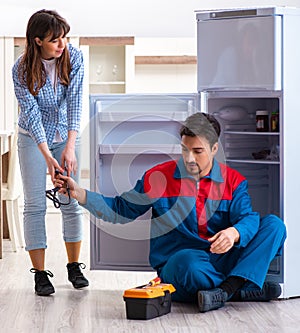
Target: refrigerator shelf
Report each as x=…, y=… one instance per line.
x=240, y=145
x=139, y=149
x=253, y=161
x=252, y=133
x=136, y=116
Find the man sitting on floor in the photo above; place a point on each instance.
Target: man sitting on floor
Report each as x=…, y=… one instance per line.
x=205, y=238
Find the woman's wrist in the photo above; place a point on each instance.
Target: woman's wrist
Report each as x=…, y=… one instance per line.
x=71, y=139
x=43, y=147
x=70, y=146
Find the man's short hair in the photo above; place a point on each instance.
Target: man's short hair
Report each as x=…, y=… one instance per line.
x=203, y=125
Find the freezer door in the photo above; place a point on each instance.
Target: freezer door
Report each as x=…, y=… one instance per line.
x=238, y=53
x=129, y=134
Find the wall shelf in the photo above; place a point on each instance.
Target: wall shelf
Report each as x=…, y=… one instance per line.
x=19, y=41
x=166, y=60
x=91, y=41
x=106, y=41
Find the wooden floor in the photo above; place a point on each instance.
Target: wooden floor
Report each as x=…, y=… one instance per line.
x=100, y=307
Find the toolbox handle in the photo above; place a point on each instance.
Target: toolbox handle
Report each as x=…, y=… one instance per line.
x=165, y=300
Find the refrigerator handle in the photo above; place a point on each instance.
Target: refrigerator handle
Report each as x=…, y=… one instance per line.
x=97, y=121
x=234, y=13
x=98, y=159
x=190, y=108
x=203, y=102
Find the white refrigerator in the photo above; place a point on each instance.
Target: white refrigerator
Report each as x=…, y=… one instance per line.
x=248, y=61
x=128, y=135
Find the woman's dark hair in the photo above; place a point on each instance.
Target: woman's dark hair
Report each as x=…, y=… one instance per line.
x=44, y=23
x=203, y=125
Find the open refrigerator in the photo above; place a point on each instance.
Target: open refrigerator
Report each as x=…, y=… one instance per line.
x=130, y=134
x=248, y=60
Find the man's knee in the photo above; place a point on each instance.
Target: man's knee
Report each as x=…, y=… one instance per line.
x=186, y=260
x=273, y=224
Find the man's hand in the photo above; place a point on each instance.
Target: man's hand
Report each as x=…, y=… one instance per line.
x=224, y=240
x=76, y=191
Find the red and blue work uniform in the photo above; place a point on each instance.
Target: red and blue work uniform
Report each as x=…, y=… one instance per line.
x=185, y=213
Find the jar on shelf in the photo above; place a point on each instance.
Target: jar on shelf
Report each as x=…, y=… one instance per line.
x=262, y=121
x=274, y=121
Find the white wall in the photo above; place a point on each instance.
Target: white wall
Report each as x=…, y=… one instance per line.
x=146, y=20
x=155, y=18
x=165, y=78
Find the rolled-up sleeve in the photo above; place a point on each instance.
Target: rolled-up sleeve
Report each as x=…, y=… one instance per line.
x=29, y=112
x=74, y=92
x=52, y=110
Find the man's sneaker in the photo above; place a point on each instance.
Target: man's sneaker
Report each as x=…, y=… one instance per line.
x=43, y=287
x=211, y=299
x=269, y=291
x=75, y=276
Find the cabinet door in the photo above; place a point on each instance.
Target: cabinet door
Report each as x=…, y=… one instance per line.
x=130, y=134
x=239, y=52
x=10, y=114
x=2, y=75
x=7, y=96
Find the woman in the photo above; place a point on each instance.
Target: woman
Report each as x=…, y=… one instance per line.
x=48, y=79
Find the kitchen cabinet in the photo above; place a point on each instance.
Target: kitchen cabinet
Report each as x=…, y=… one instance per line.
x=7, y=115
x=110, y=65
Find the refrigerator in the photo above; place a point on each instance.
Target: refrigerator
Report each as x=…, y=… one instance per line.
x=128, y=135
x=247, y=62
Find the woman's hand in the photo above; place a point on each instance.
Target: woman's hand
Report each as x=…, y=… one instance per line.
x=68, y=156
x=68, y=160
x=53, y=166
x=51, y=162
x=76, y=191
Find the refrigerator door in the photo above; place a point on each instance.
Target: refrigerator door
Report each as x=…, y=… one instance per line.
x=239, y=50
x=130, y=134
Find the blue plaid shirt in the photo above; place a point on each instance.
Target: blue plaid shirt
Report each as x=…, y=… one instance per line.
x=51, y=111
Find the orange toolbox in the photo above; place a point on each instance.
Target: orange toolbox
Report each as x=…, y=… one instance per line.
x=148, y=301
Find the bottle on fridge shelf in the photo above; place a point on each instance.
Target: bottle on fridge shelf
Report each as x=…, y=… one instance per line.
x=262, y=121
x=274, y=121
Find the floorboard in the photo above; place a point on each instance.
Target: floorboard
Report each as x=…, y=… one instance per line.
x=101, y=308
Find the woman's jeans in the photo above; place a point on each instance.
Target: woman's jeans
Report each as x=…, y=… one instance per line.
x=33, y=170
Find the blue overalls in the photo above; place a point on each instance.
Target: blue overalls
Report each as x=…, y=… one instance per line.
x=185, y=214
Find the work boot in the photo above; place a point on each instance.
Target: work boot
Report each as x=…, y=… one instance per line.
x=75, y=276
x=43, y=287
x=269, y=291
x=211, y=299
